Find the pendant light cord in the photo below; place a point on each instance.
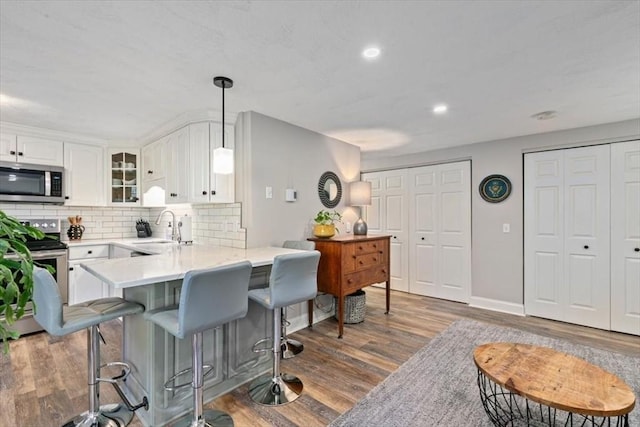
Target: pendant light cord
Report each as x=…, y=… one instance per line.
x=223, y=85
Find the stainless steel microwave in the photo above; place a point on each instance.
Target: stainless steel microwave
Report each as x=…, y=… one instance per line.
x=27, y=183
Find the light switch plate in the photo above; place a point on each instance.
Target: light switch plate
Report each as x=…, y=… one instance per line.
x=506, y=228
x=269, y=192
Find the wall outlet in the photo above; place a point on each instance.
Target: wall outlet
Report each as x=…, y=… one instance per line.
x=506, y=228
x=268, y=192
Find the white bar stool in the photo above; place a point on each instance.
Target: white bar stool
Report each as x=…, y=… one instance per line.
x=208, y=298
x=58, y=320
x=293, y=279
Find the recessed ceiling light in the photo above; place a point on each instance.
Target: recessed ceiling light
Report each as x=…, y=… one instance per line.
x=371, y=52
x=545, y=115
x=440, y=109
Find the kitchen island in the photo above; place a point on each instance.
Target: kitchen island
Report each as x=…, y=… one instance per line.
x=155, y=355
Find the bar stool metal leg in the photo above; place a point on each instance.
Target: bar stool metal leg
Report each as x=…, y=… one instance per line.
x=112, y=415
x=275, y=389
x=200, y=417
x=289, y=347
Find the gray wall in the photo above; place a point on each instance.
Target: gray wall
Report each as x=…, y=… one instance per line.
x=270, y=152
x=497, y=258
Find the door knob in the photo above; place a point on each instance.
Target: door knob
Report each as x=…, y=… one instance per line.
x=204, y=193
x=422, y=238
x=586, y=246
x=213, y=192
x=636, y=249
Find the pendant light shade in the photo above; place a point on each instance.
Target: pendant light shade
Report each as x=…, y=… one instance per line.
x=223, y=157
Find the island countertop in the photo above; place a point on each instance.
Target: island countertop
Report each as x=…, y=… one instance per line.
x=173, y=262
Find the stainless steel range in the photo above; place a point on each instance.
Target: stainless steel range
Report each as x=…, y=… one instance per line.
x=48, y=251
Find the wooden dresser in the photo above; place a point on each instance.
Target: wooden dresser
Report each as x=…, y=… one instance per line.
x=349, y=263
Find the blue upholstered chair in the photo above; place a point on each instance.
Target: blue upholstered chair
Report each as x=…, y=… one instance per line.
x=208, y=298
x=59, y=320
x=293, y=279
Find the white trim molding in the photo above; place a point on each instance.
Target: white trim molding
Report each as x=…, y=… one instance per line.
x=497, y=305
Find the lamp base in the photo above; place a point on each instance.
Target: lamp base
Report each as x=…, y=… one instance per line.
x=360, y=228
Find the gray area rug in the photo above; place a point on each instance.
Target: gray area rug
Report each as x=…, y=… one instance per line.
x=437, y=386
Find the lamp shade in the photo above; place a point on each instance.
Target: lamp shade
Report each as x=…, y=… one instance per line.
x=223, y=161
x=360, y=193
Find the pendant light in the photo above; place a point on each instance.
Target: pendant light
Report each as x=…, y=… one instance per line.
x=223, y=157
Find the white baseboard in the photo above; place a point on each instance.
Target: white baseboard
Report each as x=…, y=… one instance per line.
x=497, y=305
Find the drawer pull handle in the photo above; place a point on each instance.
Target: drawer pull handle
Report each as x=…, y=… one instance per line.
x=204, y=193
x=349, y=281
x=70, y=268
x=149, y=172
x=354, y=257
x=360, y=247
x=375, y=259
x=361, y=262
x=13, y=153
x=374, y=245
x=422, y=238
x=586, y=246
x=636, y=249
x=89, y=252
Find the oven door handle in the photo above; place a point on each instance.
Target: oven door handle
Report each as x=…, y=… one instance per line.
x=47, y=254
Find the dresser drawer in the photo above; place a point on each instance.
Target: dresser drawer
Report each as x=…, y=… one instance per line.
x=89, y=251
x=368, y=247
x=366, y=261
x=354, y=281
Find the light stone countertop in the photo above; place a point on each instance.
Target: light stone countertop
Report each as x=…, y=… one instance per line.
x=172, y=261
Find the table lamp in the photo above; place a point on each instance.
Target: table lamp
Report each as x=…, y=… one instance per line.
x=360, y=193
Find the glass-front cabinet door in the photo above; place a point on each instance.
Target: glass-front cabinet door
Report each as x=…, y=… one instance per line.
x=124, y=171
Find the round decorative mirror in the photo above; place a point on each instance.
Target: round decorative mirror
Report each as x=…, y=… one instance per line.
x=329, y=189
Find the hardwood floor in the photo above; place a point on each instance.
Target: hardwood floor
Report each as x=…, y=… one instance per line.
x=43, y=379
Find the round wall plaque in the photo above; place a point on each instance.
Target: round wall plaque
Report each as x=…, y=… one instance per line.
x=495, y=188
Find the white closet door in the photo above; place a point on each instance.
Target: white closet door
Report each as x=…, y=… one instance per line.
x=567, y=274
x=625, y=237
x=388, y=215
x=440, y=221
x=586, y=288
x=544, y=234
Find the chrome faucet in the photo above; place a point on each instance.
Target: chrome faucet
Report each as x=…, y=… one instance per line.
x=175, y=231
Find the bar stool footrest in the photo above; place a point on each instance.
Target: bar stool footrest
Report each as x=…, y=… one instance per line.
x=263, y=341
x=168, y=387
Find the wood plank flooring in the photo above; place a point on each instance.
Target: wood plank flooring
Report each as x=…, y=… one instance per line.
x=43, y=379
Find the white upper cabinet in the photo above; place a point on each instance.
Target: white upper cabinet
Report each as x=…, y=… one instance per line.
x=222, y=186
x=154, y=158
x=29, y=149
x=205, y=186
x=84, y=175
x=177, y=190
x=124, y=176
x=200, y=166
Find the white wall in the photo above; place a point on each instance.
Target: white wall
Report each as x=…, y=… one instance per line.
x=270, y=152
x=497, y=258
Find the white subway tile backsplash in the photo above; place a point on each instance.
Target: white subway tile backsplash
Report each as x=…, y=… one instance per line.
x=212, y=224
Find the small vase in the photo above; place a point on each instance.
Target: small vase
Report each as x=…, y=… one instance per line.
x=75, y=232
x=324, y=230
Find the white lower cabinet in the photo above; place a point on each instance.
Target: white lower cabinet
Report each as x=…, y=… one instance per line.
x=84, y=286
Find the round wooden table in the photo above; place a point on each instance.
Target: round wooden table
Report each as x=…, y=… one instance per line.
x=523, y=384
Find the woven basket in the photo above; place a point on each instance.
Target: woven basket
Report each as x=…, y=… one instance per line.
x=354, y=307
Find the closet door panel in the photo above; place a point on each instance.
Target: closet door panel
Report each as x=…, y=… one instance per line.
x=396, y=218
x=423, y=221
x=625, y=237
x=544, y=234
x=587, y=236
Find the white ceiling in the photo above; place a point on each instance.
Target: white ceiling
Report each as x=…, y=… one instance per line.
x=117, y=70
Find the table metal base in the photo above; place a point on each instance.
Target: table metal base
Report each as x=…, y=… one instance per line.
x=508, y=409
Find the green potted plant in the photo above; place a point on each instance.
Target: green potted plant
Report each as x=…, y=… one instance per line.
x=325, y=223
x=16, y=268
